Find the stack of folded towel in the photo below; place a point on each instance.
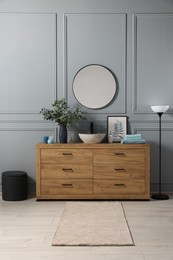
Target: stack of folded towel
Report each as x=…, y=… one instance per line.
x=133, y=139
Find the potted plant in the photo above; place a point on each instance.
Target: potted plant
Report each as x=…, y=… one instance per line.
x=63, y=115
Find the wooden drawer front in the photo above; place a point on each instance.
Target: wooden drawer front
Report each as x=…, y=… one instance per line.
x=66, y=187
x=119, y=171
x=82, y=156
x=109, y=187
x=119, y=155
x=65, y=171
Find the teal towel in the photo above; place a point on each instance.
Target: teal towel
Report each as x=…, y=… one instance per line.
x=133, y=137
x=141, y=141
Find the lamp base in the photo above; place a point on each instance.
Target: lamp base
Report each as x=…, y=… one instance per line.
x=160, y=196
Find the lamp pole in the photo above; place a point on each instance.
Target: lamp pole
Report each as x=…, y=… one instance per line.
x=160, y=195
x=160, y=156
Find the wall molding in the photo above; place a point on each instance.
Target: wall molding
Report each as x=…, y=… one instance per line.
x=50, y=19
x=134, y=57
x=136, y=129
x=123, y=108
x=31, y=129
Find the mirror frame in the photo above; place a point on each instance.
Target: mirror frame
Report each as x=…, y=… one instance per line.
x=109, y=78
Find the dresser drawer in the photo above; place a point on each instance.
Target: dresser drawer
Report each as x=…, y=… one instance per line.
x=66, y=171
x=119, y=155
x=113, y=187
x=132, y=170
x=66, y=187
x=76, y=156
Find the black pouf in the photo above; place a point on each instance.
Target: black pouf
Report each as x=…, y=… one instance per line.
x=14, y=185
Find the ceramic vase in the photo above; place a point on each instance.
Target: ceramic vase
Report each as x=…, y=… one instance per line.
x=62, y=133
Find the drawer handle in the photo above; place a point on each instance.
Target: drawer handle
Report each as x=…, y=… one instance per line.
x=119, y=185
x=68, y=185
x=67, y=170
x=120, y=169
x=67, y=154
x=120, y=154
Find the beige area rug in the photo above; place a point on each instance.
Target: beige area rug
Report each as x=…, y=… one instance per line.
x=93, y=224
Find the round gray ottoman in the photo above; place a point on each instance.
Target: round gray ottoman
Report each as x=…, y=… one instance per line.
x=14, y=185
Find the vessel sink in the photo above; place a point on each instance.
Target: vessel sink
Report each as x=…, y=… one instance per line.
x=92, y=138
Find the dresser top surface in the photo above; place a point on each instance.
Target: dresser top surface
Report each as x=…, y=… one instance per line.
x=86, y=146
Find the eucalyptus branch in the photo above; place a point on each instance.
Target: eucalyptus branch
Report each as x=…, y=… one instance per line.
x=62, y=114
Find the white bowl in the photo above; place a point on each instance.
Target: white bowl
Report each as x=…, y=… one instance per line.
x=92, y=138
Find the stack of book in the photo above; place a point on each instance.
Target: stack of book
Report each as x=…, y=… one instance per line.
x=133, y=139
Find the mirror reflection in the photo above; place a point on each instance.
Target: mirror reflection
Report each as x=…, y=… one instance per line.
x=94, y=86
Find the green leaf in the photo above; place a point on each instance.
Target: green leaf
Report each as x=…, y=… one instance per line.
x=62, y=114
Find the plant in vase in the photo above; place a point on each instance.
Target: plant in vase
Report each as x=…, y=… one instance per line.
x=63, y=116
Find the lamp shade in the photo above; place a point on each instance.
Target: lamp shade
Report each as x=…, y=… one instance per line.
x=160, y=109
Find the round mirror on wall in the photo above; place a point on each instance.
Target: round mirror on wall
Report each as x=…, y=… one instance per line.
x=94, y=86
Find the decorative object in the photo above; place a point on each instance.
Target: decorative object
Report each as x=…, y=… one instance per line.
x=93, y=224
x=117, y=128
x=91, y=128
x=45, y=139
x=50, y=139
x=160, y=110
x=62, y=133
x=92, y=138
x=94, y=86
x=63, y=115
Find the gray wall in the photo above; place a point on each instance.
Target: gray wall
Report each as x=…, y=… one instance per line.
x=44, y=43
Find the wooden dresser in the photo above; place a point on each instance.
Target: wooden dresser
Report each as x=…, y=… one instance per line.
x=93, y=171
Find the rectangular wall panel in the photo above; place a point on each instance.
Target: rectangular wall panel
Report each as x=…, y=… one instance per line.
x=96, y=39
x=152, y=61
x=27, y=61
x=151, y=134
x=18, y=150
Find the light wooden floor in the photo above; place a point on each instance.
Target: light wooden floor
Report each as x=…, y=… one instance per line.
x=27, y=229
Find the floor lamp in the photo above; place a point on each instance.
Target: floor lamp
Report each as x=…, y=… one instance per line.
x=160, y=110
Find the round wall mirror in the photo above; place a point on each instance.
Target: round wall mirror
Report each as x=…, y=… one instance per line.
x=94, y=86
